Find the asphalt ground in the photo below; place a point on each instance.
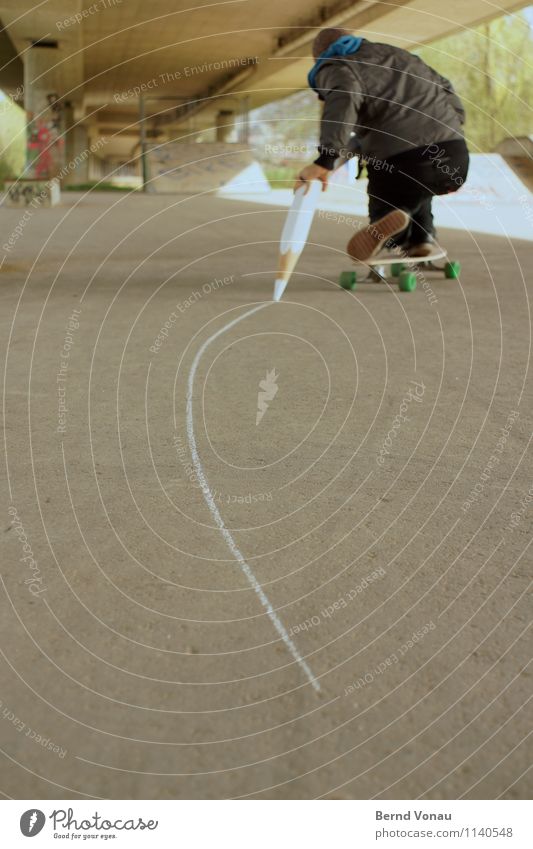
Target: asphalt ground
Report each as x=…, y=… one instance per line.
x=271, y=550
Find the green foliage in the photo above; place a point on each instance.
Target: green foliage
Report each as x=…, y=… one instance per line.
x=491, y=72
x=96, y=186
x=280, y=176
x=12, y=139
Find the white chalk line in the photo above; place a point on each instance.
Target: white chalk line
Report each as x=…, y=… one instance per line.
x=274, y=618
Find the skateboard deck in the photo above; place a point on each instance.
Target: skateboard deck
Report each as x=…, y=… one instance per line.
x=392, y=259
x=402, y=268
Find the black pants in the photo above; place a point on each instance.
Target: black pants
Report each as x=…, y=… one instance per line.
x=409, y=181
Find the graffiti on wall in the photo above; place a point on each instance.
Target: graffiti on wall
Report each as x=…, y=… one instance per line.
x=45, y=147
x=25, y=194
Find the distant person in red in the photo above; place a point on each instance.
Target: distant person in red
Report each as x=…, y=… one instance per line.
x=39, y=145
x=406, y=122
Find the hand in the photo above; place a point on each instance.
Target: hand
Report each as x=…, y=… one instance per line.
x=312, y=172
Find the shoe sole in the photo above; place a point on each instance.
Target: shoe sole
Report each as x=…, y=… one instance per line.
x=365, y=244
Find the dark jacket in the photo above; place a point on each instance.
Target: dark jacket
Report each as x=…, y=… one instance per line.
x=390, y=98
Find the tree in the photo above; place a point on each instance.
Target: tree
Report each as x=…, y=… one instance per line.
x=491, y=73
x=12, y=138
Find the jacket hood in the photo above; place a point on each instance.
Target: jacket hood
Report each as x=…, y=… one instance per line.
x=344, y=46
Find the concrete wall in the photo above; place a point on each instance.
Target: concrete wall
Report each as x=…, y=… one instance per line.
x=197, y=168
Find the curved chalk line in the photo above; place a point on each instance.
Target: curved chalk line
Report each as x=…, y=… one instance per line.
x=206, y=492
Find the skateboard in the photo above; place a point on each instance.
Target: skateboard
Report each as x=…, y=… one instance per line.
x=403, y=268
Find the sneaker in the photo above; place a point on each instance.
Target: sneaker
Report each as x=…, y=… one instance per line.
x=430, y=246
x=366, y=244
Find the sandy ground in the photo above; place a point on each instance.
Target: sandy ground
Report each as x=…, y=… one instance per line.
x=373, y=503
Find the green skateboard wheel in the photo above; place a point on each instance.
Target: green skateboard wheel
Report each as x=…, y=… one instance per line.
x=348, y=280
x=397, y=268
x=407, y=281
x=452, y=270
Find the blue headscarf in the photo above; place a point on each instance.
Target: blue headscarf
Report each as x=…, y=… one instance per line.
x=344, y=46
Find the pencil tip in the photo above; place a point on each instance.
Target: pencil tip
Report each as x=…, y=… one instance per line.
x=279, y=288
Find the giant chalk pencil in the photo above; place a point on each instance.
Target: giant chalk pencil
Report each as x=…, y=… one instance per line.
x=295, y=233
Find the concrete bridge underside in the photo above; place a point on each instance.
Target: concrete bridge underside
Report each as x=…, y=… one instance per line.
x=210, y=61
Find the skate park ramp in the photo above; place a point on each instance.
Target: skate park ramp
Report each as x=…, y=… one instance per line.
x=494, y=200
x=518, y=154
x=495, y=177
